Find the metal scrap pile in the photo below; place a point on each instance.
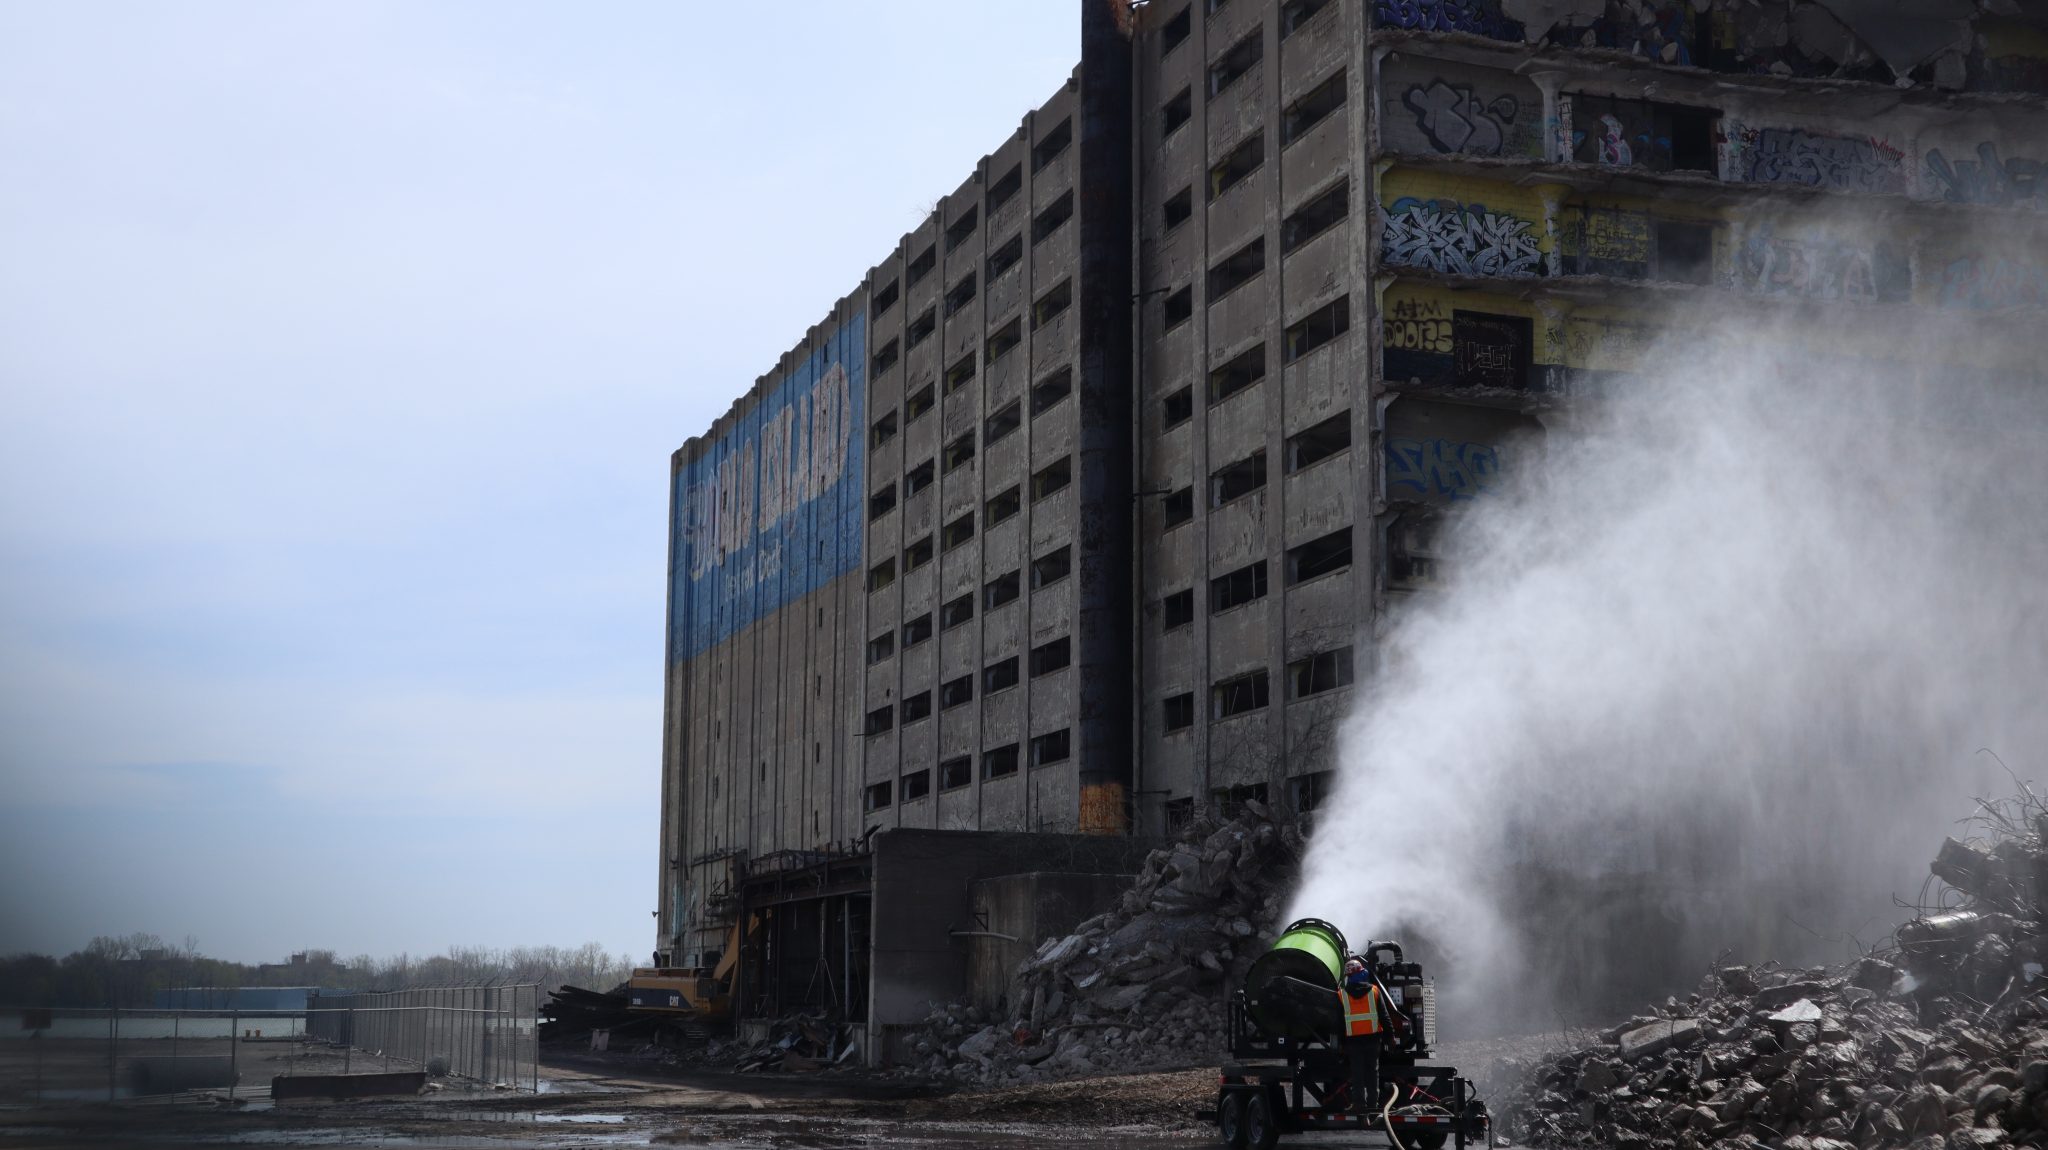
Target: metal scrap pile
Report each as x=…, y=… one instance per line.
x=1940, y=1041
x=1139, y=985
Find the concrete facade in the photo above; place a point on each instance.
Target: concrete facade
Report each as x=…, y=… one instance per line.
x=1157, y=415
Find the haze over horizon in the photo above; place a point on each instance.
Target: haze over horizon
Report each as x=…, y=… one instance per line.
x=344, y=350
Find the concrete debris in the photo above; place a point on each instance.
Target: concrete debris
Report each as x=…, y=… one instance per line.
x=1940, y=1043
x=1141, y=985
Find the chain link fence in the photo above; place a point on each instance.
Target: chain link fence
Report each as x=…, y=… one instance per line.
x=59, y=1055
x=486, y=1033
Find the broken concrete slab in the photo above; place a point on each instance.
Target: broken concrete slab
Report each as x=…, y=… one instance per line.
x=1657, y=1037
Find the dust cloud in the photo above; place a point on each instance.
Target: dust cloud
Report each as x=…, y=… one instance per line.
x=1711, y=673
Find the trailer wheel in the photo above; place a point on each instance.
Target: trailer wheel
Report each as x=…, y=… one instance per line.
x=1230, y=1119
x=1261, y=1125
x=1426, y=1141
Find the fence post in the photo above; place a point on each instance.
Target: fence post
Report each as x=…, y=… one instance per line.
x=348, y=1046
x=234, y=1051
x=113, y=1047
x=488, y=998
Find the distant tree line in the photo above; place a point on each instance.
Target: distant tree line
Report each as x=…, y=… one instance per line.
x=129, y=971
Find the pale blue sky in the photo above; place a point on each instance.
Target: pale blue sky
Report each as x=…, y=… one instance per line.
x=343, y=347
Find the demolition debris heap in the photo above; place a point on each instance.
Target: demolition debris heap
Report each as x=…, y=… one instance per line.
x=1140, y=984
x=1940, y=1040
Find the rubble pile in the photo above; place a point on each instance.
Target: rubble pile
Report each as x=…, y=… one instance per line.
x=1139, y=985
x=1940, y=1041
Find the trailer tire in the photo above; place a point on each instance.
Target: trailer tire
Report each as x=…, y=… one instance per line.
x=1230, y=1119
x=1261, y=1124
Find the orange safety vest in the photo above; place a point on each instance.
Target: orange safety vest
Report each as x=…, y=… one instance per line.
x=1361, y=1012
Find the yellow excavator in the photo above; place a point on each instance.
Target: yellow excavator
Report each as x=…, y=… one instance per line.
x=695, y=993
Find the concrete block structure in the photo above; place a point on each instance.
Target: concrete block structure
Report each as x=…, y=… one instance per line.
x=1079, y=514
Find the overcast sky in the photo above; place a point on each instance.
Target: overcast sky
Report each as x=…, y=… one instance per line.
x=343, y=347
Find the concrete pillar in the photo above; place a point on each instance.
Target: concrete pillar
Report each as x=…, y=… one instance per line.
x=1557, y=116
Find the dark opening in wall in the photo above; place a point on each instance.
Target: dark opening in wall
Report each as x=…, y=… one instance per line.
x=1006, y=257
x=960, y=374
x=954, y=612
x=881, y=502
x=1318, y=673
x=1054, y=214
x=884, y=298
x=1244, y=369
x=882, y=718
x=1320, y=556
x=1177, y=609
x=1056, y=655
x=1000, y=675
x=1176, y=308
x=883, y=431
x=917, y=553
x=1176, y=28
x=918, y=478
x=1177, y=814
x=1237, y=480
x=1692, y=138
x=1316, y=217
x=1000, y=590
x=1491, y=350
x=1052, y=144
x=916, y=785
x=1312, y=445
x=959, y=531
x=1177, y=712
x=878, y=795
x=1235, y=269
x=1006, y=338
x=1052, y=477
x=881, y=647
x=1005, y=187
x=1176, y=112
x=916, y=707
x=1317, y=328
x=955, y=773
x=961, y=294
x=1003, y=422
x=1241, y=162
x=1052, y=747
x=917, y=630
x=1178, y=407
x=1295, y=13
x=921, y=328
x=1685, y=251
x=1047, y=392
x=921, y=266
x=1313, y=108
x=962, y=228
x=886, y=357
x=1238, y=695
x=882, y=574
x=919, y=402
x=959, y=452
x=1002, y=505
x=1177, y=507
x=1642, y=134
x=1052, y=567
x=1052, y=303
x=1235, y=589
x=999, y=762
x=1238, y=59
x=954, y=692
x=1179, y=206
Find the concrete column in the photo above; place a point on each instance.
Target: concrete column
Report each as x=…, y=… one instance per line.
x=1553, y=196
x=1557, y=116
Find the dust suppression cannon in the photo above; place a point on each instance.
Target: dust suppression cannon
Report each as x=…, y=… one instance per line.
x=1322, y=1038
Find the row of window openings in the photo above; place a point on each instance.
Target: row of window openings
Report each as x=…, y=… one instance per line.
x=999, y=507
x=1240, y=694
x=1310, y=333
x=1009, y=254
x=1045, y=395
x=1325, y=211
x=1046, y=570
x=1044, y=310
x=1325, y=555
x=1293, y=15
x=958, y=771
x=1235, y=480
x=1000, y=675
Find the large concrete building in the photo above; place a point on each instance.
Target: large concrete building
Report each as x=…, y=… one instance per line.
x=1079, y=513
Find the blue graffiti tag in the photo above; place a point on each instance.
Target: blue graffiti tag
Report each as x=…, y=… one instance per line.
x=1476, y=16
x=1443, y=468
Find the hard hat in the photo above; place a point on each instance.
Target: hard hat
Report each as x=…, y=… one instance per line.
x=1353, y=966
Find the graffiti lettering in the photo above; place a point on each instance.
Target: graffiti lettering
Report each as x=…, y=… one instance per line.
x=1456, y=120
x=1807, y=268
x=1442, y=468
x=1459, y=239
x=1623, y=237
x=1419, y=335
x=1987, y=180
x=1791, y=156
x=1480, y=17
x=1993, y=282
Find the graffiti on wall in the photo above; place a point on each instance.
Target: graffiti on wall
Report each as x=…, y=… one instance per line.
x=1820, y=267
x=771, y=511
x=1479, y=17
x=1987, y=179
x=1455, y=119
x=1417, y=325
x=1837, y=163
x=1458, y=239
x=1441, y=468
x=1988, y=282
